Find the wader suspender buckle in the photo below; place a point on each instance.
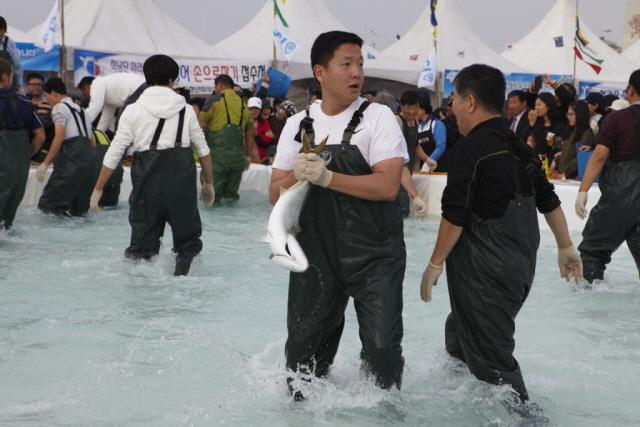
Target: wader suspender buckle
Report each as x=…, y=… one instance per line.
x=74, y=113
x=353, y=124
x=156, y=135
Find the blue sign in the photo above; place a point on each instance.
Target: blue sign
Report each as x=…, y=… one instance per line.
x=515, y=81
x=617, y=89
x=34, y=58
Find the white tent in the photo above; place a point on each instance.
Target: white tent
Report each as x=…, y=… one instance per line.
x=549, y=48
x=18, y=36
x=306, y=20
x=458, y=45
x=125, y=26
x=632, y=54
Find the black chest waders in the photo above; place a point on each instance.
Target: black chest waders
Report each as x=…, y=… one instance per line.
x=489, y=273
x=616, y=217
x=74, y=175
x=355, y=249
x=14, y=165
x=111, y=192
x=164, y=191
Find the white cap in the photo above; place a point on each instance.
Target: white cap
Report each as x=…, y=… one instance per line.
x=618, y=104
x=254, y=103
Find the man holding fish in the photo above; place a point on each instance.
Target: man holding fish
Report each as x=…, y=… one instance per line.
x=350, y=221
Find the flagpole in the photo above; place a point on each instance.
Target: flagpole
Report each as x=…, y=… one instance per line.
x=575, y=46
x=63, y=53
x=273, y=61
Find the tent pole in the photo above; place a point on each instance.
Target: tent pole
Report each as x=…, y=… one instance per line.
x=574, y=46
x=63, y=53
x=273, y=61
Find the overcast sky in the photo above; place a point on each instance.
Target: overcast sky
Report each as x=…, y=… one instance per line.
x=497, y=22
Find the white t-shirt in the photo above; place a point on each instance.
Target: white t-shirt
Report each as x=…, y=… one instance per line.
x=378, y=136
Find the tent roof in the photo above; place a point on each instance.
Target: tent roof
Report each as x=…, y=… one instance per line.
x=306, y=20
x=125, y=26
x=537, y=50
x=18, y=36
x=458, y=45
x=632, y=53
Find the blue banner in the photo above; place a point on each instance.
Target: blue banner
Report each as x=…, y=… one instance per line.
x=617, y=89
x=514, y=81
x=34, y=58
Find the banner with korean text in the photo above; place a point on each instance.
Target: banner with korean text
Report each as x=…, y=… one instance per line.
x=197, y=75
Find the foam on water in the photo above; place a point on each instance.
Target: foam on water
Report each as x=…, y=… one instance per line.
x=90, y=338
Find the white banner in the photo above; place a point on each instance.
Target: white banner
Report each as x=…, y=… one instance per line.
x=428, y=72
x=49, y=28
x=285, y=40
x=197, y=75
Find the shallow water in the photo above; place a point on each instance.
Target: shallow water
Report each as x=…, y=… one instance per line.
x=89, y=338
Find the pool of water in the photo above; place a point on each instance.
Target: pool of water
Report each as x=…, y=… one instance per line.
x=89, y=338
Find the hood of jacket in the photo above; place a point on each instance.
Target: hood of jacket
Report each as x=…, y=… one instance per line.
x=161, y=102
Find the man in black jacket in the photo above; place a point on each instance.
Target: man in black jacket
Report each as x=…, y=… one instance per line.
x=489, y=231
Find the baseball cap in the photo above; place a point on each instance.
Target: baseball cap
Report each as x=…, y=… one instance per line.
x=254, y=102
x=618, y=104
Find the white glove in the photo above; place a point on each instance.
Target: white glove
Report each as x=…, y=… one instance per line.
x=208, y=195
x=95, y=200
x=429, y=280
x=299, y=165
x=570, y=263
x=419, y=206
x=429, y=165
x=42, y=171
x=316, y=171
x=581, y=204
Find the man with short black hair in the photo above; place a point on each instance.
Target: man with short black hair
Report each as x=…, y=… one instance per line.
x=489, y=231
x=17, y=119
x=9, y=52
x=35, y=91
x=164, y=130
x=72, y=154
x=230, y=138
x=84, y=85
x=517, y=113
x=616, y=159
x=351, y=221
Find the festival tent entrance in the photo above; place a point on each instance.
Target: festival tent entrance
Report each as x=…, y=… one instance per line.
x=305, y=20
x=458, y=45
x=549, y=47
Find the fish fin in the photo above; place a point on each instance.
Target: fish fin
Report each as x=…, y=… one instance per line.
x=318, y=148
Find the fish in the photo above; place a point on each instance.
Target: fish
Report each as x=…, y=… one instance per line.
x=283, y=225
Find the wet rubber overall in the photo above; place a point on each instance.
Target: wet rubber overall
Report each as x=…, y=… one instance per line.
x=228, y=156
x=489, y=273
x=74, y=175
x=355, y=249
x=15, y=152
x=410, y=134
x=111, y=192
x=164, y=191
x=616, y=217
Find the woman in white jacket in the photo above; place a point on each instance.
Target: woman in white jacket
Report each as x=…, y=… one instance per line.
x=162, y=131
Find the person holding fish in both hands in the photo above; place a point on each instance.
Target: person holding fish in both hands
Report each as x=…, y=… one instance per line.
x=351, y=222
x=489, y=232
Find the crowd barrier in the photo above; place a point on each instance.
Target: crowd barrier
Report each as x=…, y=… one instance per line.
x=430, y=187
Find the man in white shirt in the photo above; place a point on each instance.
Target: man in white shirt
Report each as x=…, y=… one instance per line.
x=109, y=93
x=351, y=221
x=163, y=131
x=72, y=154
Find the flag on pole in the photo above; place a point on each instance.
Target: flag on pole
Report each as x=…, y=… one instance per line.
x=428, y=72
x=282, y=34
x=51, y=26
x=584, y=52
x=434, y=20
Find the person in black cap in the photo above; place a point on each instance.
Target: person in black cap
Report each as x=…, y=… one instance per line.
x=352, y=230
x=489, y=233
